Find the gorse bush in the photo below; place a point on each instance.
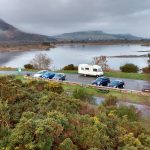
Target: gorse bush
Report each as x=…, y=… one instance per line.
x=146, y=70
x=37, y=117
x=129, y=68
x=70, y=67
x=28, y=66
x=82, y=94
x=110, y=101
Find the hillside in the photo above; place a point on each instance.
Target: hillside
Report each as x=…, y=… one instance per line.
x=94, y=36
x=10, y=34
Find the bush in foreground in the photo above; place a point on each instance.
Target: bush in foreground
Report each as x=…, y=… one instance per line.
x=33, y=119
x=130, y=68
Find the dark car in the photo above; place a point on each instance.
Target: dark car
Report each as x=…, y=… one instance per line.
x=146, y=88
x=117, y=84
x=59, y=76
x=48, y=75
x=103, y=81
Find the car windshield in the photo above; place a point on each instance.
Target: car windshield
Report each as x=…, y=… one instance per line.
x=58, y=75
x=48, y=73
x=42, y=72
x=115, y=82
x=99, y=79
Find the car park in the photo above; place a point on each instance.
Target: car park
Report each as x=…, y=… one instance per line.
x=101, y=81
x=40, y=73
x=117, y=84
x=48, y=75
x=59, y=76
x=146, y=88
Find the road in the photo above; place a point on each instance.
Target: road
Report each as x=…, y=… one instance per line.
x=129, y=83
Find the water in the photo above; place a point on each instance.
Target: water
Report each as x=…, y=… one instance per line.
x=77, y=54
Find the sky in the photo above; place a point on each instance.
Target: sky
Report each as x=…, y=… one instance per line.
x=52, y=17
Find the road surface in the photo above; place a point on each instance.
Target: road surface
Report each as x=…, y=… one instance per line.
x=130, y=84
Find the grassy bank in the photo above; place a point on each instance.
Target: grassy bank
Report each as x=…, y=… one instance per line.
x=117, y=74
x=133, y=98
x=138, y=76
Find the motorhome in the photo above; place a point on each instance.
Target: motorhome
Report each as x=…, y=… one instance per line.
x=91, y=70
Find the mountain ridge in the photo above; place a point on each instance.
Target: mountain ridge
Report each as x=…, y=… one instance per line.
x=95, y=36
x=10, y=34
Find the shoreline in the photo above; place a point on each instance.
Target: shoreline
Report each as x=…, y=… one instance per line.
x=27, y=47
x=24, y=47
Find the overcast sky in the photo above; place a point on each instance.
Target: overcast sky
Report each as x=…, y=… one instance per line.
x=52, y=17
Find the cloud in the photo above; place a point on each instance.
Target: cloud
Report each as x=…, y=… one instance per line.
x=58, y=16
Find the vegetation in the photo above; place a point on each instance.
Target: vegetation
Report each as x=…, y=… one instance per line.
x=70, y=67
x=34, y=115
x=41, y=61
x=129, y=68
x=28, y=66
x=146, y=70
x=137, y=76
x=101, y=61
x=82, y=94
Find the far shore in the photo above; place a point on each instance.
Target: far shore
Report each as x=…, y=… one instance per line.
x=40, y=46
x=24, y=47
x=127, y=56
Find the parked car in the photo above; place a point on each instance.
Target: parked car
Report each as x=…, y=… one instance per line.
x=117, y=84
x=146, y=88
x=59, y=76
x=40, y=73
x=48, y=75
x=103, y=81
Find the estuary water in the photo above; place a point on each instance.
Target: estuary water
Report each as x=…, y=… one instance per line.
x=77, y=54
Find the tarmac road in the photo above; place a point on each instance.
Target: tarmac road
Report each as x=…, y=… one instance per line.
x=130, y=84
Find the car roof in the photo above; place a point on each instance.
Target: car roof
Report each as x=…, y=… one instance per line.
x=118, y=80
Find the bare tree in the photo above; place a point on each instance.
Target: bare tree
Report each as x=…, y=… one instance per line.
x=41, y=61
x=101, y=61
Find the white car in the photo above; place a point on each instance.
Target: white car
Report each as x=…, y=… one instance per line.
x=39, y=73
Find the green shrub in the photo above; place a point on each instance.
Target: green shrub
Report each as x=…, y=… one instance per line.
x=82, y=94
x=70, y=67
x=67, y=144
x=146, y=70
x=28, y=66
x=110, y=101
x=54, y=87
x=129, y=68
x=130, y=112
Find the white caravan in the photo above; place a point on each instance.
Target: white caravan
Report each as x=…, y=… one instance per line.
x=92, y=70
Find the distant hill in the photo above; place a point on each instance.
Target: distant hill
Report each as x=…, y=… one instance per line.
x=94, y=36
x=10, y=34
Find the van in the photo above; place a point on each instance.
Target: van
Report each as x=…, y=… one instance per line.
x=91, y=70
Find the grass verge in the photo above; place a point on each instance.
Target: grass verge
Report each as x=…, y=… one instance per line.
x=133, y=98
x=117, y=74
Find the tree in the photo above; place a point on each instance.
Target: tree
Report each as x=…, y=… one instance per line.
x=129, y=68
x=28, y=66
x=101, y=61
x=41, y=61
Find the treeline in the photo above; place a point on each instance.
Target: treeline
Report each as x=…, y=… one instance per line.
x=38, y=115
